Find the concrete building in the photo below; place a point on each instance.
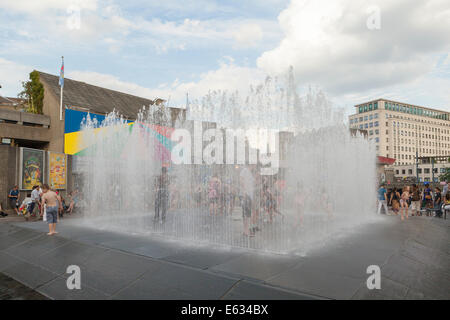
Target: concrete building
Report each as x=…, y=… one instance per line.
x=47, y=131
x=402, y=130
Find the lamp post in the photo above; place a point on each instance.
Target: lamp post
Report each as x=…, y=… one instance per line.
x=417, y=166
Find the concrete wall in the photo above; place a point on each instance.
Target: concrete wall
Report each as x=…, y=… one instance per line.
x=56, y=130
x=8, y=169
x=36, y=131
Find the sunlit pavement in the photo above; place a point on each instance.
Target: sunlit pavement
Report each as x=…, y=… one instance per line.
x=413, y=255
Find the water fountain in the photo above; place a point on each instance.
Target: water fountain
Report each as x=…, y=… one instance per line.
x=325, y=184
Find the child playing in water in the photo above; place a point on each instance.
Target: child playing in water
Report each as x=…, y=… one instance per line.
x=404, y=202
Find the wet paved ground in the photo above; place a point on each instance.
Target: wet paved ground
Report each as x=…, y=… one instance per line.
x=414, y=257
x=11, y=289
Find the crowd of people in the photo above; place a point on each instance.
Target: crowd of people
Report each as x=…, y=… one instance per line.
x=44, y=203
x=261, y=199
x=414, y=200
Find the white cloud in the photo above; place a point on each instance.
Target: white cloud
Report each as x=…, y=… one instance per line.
x=228, y=77
x=248, y=35
x=114, y=83
x=328, y=42
x=11, y=76
x=37, y=8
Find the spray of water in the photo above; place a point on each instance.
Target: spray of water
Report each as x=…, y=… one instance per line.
x=324, y=186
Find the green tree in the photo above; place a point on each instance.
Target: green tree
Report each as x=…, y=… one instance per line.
x=33, y=92
x=445, y=176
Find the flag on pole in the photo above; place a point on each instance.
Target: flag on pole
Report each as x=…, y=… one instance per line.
x=61, y=75
x=61, y=84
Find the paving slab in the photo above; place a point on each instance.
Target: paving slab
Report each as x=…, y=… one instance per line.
x=389, y=290
x=17, y=237
x=11, y=289
x=168, y=281
x=30, y=250
x=57, y=289
x=138, y=245
x=30, y=275
x=112, y=270
x=71, y=253
x=316, y=282
x=203, y=258
x=7, y=260
x=246, y=290
x=257, y=265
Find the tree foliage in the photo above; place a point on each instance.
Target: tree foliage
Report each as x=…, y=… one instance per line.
x=445, y=176
x=33, y=92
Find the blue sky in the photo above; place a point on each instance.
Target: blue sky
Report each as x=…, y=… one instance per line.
x=168, y=48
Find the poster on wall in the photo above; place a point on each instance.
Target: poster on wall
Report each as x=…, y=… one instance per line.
x=57, y=170
x=32, y=168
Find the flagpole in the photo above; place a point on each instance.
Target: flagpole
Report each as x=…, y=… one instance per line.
x=61, y=97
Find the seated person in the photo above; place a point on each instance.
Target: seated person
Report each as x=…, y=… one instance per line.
x=447, y=202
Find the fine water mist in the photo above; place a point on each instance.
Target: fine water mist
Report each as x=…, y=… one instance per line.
x=323, y=184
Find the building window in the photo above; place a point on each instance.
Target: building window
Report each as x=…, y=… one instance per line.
x=397, y=172
x=427, y=170
x=377, y=139
x=375, y=106
x=376, y=123
x=410, y=171
x=419, y=170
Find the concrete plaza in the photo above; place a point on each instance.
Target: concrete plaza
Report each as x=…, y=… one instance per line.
x=414, y=257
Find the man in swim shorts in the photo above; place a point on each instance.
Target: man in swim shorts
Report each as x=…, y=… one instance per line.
x=52, y=202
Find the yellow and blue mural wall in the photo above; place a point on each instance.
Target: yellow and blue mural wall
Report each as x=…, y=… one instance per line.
x=74, y=143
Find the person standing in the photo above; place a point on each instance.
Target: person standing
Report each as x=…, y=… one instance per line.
x=404, y=202
x=162, y=195
x=382, y=199
x=13, y=197
x=415, y=204
x=52, y=202
x=35, y=199
x=438, y=202
x=247, y=189
x=395, y=198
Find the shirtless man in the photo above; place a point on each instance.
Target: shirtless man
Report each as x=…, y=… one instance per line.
x=53, y=201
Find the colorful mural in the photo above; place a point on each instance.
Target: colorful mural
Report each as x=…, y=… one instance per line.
x=32, y=167
x=74, y=143
x=73, y=137
x=57, y=170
